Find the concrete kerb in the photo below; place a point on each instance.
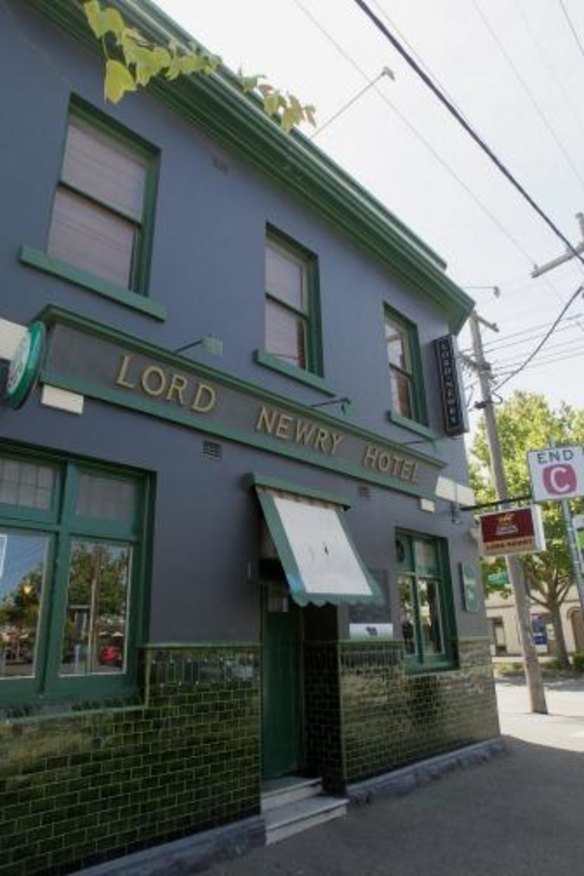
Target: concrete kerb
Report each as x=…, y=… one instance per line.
x=407, y=779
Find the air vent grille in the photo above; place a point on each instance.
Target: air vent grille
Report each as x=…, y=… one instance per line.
x=212, y=449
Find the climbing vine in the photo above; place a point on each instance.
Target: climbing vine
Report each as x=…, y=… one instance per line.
x=131, y=61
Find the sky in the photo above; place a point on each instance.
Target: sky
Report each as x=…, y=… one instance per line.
x=514, y=68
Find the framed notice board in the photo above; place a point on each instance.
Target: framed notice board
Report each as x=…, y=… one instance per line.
x=469, y=586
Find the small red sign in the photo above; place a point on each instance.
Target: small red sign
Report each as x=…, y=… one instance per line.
x=518, y=531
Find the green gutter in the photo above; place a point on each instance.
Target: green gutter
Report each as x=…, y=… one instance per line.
x=290, y=161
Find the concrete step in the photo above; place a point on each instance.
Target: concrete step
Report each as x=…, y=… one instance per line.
x=288, y=789
x=285, y=821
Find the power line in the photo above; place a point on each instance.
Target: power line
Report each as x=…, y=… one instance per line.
x=545, y=362
x=443, y=163
x=467, y=127
x=527, y=91
x=510, y=362
x=532, y=334
x=492, y=156
x=572, y=28
x=548, y=334
x=533, y=331
x=548, y=65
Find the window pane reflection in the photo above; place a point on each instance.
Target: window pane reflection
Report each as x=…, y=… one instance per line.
x=397, y=351
x=401, y=394
x=406, y=598
x=430, y=617
x=25, y=484
x=95, y=626
x=105, y=498
x=285, y=277
x=285, y=335
x=23, y=560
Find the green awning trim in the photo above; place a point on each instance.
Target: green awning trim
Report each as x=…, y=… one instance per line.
x=301, y=592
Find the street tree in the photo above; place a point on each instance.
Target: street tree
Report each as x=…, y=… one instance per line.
x=527, y=422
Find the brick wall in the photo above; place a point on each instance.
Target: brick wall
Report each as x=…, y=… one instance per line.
x=324, y=744
x=391, y=718
x=86, y=786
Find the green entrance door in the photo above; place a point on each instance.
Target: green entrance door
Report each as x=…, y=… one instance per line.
x=282, y=700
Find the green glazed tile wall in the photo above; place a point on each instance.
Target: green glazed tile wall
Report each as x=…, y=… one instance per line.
x=391, y=718
x=324, y=748
x=84, y=787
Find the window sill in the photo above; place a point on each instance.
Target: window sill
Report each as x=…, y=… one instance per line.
x=275, y=364
x=412, y=425
x=58, y=268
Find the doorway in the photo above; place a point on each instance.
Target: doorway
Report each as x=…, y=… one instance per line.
x=282, y=682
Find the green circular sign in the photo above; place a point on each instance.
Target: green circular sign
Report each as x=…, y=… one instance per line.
x=24, y=365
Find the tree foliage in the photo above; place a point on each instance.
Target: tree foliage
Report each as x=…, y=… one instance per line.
x=527, y=422
x=131, y=61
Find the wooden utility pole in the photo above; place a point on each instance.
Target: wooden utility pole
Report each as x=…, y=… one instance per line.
x=514, y=568
x=573, y=253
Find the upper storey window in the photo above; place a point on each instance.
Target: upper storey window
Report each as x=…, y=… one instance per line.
x=103, y=207
x=291, y=331
x=405, y=375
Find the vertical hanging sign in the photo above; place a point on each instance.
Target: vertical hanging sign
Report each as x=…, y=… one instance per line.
x=453, y=406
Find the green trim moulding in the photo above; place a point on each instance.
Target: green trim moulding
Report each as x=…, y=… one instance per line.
x=58, y=268
x=217, y=105
x=412, y=425
x=268, y=360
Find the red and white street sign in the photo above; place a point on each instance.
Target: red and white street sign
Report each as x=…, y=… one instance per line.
x=519, y=531
x=556, y=473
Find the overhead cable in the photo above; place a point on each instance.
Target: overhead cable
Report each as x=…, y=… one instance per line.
x=547, y=335
x=442, y=161
x=528, y=92
x=467, y=127
x=572, y=28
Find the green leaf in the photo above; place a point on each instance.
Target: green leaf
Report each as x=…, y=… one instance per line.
x=271, y=104
x=289, y=118
x=249, y=83
x=295, y=104
x=118, y=80
x=174, y=68
x=147, y=62
x=103, y=21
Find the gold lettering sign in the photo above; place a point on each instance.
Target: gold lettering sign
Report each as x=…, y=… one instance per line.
x=298, y=431
x=162, y=383
x=386, y=462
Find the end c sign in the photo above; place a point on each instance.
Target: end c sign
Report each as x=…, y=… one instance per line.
x=556, y=473
x=559, y=480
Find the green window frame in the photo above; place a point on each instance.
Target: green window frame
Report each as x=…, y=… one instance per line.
x=425, y=600
x=292, y=306
x=408, y=401
x=73, y=538
x=103, y=209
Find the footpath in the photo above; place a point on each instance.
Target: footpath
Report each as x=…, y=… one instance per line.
x=519, y=814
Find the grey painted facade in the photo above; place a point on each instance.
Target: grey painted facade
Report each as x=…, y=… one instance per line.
x=207, y=269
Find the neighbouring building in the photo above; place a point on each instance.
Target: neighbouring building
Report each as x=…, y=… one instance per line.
x=230, y=543
x=504, y=631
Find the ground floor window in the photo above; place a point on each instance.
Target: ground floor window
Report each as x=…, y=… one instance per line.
x=425, y=599
x=71, y=555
